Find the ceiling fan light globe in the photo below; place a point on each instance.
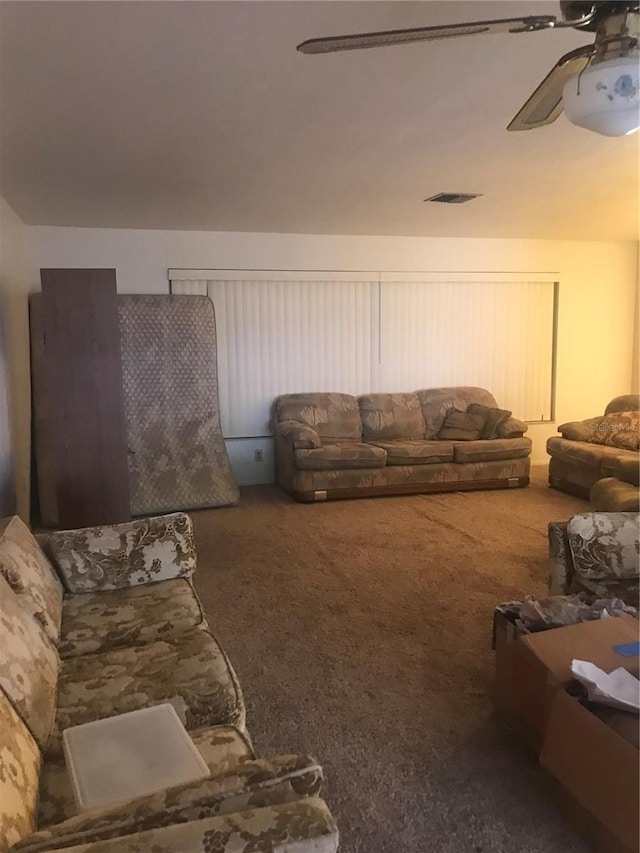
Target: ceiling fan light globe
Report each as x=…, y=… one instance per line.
x=605, y=98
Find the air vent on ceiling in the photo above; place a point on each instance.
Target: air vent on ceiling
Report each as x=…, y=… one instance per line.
x=453, y=198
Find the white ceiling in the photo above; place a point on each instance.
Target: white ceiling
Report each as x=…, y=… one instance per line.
x=202, y=116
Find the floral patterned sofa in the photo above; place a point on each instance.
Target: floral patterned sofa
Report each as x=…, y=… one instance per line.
x=588, y=451
x=330, y=446
x=115, y=627
x=597, y=554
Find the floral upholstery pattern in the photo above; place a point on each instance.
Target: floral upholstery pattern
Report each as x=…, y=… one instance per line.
x=282, y=827
x=222, y=747
x=121, y=555
x=598, y=553
x=330, y=415
x=559, y=558
x=442, y=473
x=404, y=430
x=493, y=418
x=30, y=575
x=300, y=436
x=97, y=621
x=19, y=766
x=28, y=665
x=130, y=643
x=347, y=454
x=391, y=416
x=436, y=403
x=401, y=452
x=588, y=449
x=619, y=429
x=191, y=671
x=584, y=453
x=489, y=450
x=252, y=784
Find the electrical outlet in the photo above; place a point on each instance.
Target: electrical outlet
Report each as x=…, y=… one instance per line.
x=258, y=456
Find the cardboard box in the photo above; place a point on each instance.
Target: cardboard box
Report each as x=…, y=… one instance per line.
x=593, y=753
x=531, y=667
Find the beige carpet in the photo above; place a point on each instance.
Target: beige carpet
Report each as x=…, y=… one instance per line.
x=361, y=632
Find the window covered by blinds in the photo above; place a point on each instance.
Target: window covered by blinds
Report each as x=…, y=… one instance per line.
x=282, y=332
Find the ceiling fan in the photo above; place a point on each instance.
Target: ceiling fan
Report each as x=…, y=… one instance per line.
x=597, y=84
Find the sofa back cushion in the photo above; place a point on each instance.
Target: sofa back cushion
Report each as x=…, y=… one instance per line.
x=19, y=772
x=390, y=416
x=605, y=544
x=28, y=665
x=618, y=429
x=332, y=416
x=115, y=556
x=623, y=403
x=437, y=402
x=30, y=575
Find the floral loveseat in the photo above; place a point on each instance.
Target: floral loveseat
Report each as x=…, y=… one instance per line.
x=587, y=451
x=330, y=446
x=120, y=628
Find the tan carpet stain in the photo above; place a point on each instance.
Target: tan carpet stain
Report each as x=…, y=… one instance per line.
x=361, y=632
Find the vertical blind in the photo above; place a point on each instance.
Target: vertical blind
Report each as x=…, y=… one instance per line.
x=282, y=332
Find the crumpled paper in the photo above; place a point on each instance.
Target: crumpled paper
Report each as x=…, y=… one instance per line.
x=618, y=689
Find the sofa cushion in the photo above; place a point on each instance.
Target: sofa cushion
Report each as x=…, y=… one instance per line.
x=437, y=402
x=28, y=665
x=578, y=430
x=493, y=418
x=619, y=429
x=222, y=747
x=119, y=555
x=623, y=403
x=19, y=770
x=604, y=548
x=96, y=621
x=461, y=426
x=391, y=416
x=330, y=415
x=348, y=454
x=491, y=450
x=416, y=452
x=191, y=671
x=583, y=453
x=30, y=575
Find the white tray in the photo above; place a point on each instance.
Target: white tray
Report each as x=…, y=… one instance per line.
x=130, y=755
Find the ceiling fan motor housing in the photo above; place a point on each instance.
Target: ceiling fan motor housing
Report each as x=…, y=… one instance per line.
x=573, y=10
x=605, y=97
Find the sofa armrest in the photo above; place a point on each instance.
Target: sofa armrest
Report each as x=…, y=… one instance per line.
x=305, y=825
x=249, y=784
x=579, y=430
x=560, y=562
x=627, y=470
x=300, y=436
x=121, y=555
x=512, y=428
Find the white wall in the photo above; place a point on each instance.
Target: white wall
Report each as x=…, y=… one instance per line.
x=596, y=311
x=15, y=395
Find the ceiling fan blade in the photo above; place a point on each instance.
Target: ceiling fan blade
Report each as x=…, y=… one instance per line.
x=388, y=37
x=545, y=104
